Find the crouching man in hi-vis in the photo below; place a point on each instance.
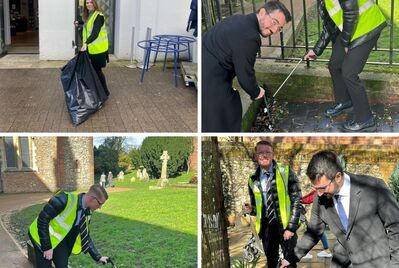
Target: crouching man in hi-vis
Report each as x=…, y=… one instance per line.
x=62, y=227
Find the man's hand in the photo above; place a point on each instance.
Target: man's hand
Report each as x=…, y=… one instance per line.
x=284, y=263
x=84, y=48
x=261, y=93
x=103, y=260
x=48, y=254
x=310, y=55
x=287, y=235
x=346, y=50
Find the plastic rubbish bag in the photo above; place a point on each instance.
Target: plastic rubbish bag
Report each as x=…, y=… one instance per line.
x=84, y=93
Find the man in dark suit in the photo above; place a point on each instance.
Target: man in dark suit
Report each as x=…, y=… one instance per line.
x=229, y=49
x=362, y=214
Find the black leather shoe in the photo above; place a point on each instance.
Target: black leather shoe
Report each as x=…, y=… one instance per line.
x=339, y=108
x=367, y=126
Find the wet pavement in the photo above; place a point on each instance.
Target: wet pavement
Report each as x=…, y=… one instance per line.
x=32, y=100
x=309, y=117
x=238, y=236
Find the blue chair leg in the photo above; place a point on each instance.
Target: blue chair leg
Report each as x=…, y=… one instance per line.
x=148, y=59
x=175, y=65
x=166, y=54
x=156, y=53
x=143, y=70
x=189, y=51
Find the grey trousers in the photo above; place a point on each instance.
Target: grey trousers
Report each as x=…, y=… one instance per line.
x=345, y=69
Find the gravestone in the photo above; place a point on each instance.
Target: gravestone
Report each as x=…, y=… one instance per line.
x=163, y=181
x=121, y=175
x=133, y=179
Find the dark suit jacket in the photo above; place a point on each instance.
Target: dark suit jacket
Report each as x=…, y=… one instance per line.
x=372, y=239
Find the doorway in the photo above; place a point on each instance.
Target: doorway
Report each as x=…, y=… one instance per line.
x=2, y=30
x=24, y=27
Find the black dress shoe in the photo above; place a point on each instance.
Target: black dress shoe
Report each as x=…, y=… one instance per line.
x=339, y=108
x=367, y=126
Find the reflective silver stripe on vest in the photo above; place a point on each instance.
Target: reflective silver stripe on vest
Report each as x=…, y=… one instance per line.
x=366, y=6
x=336, y=9
x=54, y=233
x=61, y=219
x=98, y=40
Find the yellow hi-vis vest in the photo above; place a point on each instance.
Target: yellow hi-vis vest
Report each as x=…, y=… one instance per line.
x=282, y=173
x=99, y=45
x=370, y=16
x=60, y=226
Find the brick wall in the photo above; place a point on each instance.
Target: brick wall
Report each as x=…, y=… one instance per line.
x=375, y=156
x=58, y=163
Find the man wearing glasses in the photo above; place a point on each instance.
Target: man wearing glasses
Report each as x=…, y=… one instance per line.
x=275, y=196
x=229, y=49
x=62, y=227
x=362, y=214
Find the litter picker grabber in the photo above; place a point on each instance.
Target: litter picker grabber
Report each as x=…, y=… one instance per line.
x=109, y=260
x=269, y=102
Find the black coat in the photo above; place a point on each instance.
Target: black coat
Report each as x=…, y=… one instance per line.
x=229, y=50
x=330, y=31
x=294, y=191
x=54, y=207
x=98, y=60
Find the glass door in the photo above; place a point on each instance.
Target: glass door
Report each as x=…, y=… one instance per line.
x=2, y=30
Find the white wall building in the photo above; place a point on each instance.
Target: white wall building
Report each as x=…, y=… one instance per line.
x=56, y=32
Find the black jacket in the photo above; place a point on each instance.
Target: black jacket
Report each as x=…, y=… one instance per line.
x=330, y=31
x=294, y=191
x=54, y=207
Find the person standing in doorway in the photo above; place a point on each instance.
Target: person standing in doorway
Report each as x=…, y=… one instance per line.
x=95, y=39
x=353, y=26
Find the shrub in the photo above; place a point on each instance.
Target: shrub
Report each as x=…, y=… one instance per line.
x=179, y=150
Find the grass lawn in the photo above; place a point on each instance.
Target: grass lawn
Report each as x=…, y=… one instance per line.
x=138, y=227
x=375, y=56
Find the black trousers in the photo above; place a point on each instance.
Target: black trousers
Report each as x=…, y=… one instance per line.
x=271, y=239
x=345, y=69
x=103, y=81
x=60, y=254
x=221, y=105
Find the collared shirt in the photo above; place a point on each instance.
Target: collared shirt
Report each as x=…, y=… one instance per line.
x=344, y=192
x=264, y=179
x=81, y=210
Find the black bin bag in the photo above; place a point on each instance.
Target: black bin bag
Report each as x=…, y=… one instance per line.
x=84, y=93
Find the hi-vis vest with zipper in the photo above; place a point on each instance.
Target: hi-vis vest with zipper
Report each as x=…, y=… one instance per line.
x=282, y=173
x=370, y=16
x=60, y=226
x=99, y=45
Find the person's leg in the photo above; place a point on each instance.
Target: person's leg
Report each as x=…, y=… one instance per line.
x=341, y=94
x=40, y=260
x=324, y=241
x=271, y=242
x=221, y=105
x=103, y=81
x=61, y=255
x=353, y=65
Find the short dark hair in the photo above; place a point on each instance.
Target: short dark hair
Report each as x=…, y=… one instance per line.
x=324, y=163
x=273, y=5
x=263, y=142
x=98, y=191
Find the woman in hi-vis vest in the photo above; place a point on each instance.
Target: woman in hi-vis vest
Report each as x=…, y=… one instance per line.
x=95, y=39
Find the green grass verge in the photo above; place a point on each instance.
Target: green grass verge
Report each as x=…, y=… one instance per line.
x=138, y=228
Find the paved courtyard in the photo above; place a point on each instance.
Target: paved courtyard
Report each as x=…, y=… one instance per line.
x=32, y=100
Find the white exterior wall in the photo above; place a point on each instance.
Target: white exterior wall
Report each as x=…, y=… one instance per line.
x=163, y=16
x=56, y=29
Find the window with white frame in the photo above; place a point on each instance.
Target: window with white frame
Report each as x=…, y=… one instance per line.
x=17, y=153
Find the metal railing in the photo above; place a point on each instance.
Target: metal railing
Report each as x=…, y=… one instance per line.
x=305, y=29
